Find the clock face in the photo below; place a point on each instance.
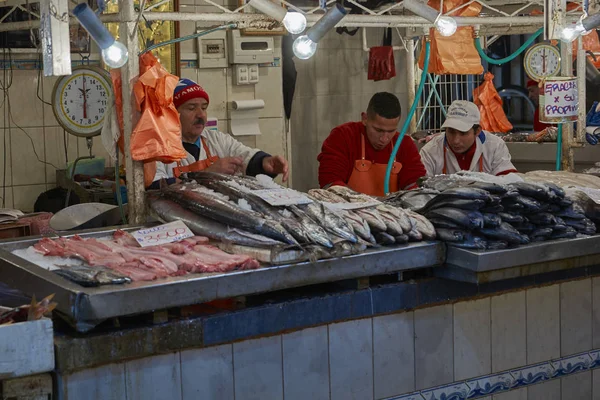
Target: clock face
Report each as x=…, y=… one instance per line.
x=80, y=101
x=542, y=60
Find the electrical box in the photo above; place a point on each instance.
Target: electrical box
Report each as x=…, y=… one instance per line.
x=245, y=74
x=249, y=49
x=212, y=50
x=253, y=73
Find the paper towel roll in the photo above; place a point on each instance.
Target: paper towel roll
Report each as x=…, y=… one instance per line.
x=244, y=117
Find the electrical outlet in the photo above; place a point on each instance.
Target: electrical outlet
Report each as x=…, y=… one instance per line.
x=241, y=74
x=253, y=73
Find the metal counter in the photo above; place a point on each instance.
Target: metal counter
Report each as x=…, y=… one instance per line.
x=86, y=307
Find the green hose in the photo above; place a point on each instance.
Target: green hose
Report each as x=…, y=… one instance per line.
x=514, y=55
x=388, y=171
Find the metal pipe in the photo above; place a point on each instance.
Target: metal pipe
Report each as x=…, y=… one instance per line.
x=366, y=47
x=581, y=95
x=567, y=161
x=410, y=80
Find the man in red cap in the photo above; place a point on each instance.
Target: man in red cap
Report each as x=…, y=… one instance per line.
x=211, y=150
x=534, y=95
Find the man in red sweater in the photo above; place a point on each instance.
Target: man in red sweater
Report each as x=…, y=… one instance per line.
x=356, y=154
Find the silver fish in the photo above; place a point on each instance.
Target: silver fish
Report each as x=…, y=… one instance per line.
x=330, y=221
x=91, y=276
x=373, y=219
x=422, y=224
x=312, y=228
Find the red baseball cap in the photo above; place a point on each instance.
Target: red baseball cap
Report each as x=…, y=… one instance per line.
x=186, y=90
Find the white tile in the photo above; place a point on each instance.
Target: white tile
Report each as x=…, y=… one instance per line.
x=577, y=386
x=576, y=316
x=434, y=361
x=190, y=73
x=27, y=145
x=519, y=394
x=595, y=312
x=394, y=354
x=272, y=137
x=596, y=384
x=351, y=360
x=48, y=83
x=269, y=89
x=472, y=336
x=24, y=197
x=56, y=139
x=26, y=109
x=306, y=364
x=508, y=331
x=5, y=158
x=6, y=197
x=543, y=324
x=214, y=81
x=156, y=377
x=545, y=391
x=101, y=383
x=188, y=28
x=237, y=92
x=257, y=367
x=207, y=373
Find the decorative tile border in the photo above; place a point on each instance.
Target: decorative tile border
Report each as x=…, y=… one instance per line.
x=528, y=375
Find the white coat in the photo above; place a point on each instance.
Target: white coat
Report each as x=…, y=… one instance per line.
x=219, y=144
x=496, y=157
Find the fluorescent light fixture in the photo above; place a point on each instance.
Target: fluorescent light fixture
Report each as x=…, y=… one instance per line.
x=114, y=53
x=582, y=27
x=305, y=46
x=294, y=22
x=445, y=25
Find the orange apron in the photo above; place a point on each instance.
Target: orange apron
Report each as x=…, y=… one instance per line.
x=198, y=165
x=444, y=170
x=368, y=177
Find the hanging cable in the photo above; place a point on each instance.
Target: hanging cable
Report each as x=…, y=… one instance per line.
x=514, y=55
x=408, y=118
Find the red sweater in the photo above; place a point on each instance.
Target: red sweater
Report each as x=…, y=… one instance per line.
x=342, y=148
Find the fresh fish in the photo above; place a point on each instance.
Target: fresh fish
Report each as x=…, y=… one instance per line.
x=537, y=191
x=443, y=223
x=223, y=211
x=542, y=218
x=582, y=225
x=316, y=233
x=204, y=177
x=525, y=227
x=492, y=209
x=463, y=204
x=554, y=209
x=573, y=211
x=466, y=219
x=467, y=193
x=168, y=211
x=506, y=233
x=414, y=235
x=496, y=245
x=411, y=199
x=91, y=276
x=422, y=225
x=472, y=243
x=358, y=224
x=401, y=239
x=529, y=204
x=384, y=239
x=565, y=202
x=326, y=195
x=392, y=226
x=493, y=188
x=491, y=220
x=557, y=190
x=569, y=233
x=494, y=200
x=541, y=232
x=511, y=218
x=514, y=207
x=330, y=221
x=373, y=219
x=450, y=235
x=398, y=214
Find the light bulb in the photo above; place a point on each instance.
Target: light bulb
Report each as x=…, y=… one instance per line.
x=294, y=22
x=445, y=25
x=572, y=32
x=115, y=56
x=304, y=48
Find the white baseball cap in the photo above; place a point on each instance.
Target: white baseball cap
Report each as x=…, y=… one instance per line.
x=462, y=115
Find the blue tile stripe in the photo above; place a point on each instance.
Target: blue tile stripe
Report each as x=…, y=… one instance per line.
x=505, y=381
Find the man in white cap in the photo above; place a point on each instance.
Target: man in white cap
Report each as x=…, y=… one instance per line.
x=464, y=146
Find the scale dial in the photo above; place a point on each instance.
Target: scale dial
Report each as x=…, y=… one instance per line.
x=542, y=61
x=80, y=100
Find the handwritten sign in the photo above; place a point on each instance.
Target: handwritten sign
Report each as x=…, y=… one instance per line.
x=161, y=234
x=559, y=102
x=351, y=206
x=282, y=197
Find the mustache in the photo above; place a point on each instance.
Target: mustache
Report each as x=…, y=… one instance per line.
x=199, y=121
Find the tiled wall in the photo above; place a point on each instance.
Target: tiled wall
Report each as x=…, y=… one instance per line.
x=27, y=177
x=332, y=88
x=410, y=355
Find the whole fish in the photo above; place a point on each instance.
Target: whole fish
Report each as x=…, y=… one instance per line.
x=422, y=225
x=571, y=212
x=463, y=204
x=466, y=219
x=331, y=222
x=529, y=204
x=467, y=193
x=443, y=223
x=491, y=220
x=496, y=245
x=557, y=190
x=542, y=218
x=541, y=232
x=313, y=229
x=401, y=239
x=472, y=243
x=392, y=226
x=223, y=211
x=537, y=191
x=450, y=235
x=582, y=225
x=569, y=233
x=505, y=232
x=490, y=187
x=512, y=206
x=358, y=224
x=411, y=199
x=492, y=209
x=91, y=276
x=373, y=219
x=414, y=235
x=168, y=211
x=384, y=239
x=511, y=218
x=326, y=195
x=399, y=214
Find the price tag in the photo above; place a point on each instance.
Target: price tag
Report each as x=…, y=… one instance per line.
x=161, y=234
x=351, y=206
x=282, y=197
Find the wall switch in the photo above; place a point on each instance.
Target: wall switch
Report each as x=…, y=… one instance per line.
x=241, y=74
x=253, y=73
x=212, y=51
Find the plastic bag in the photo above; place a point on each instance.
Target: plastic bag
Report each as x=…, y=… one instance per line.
x=454, y=54
x=381, y=59
x=493, y=118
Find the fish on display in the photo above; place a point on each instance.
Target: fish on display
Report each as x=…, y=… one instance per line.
x=541, y=232
x=466, y=219
x=411, y=199
x=529, y=204
x=312, y=228
x=569, y=233
x=384, y=239
x=373, y=219
x=443, y=223
x=511, y=218
x=451, y=235
x=331, y=222
x=91, y=276
x=401, y=239
x=542, y=218
x=468, y=193
x=505, y=232
x=472, y=243
x=421, y=225
x=398, y=214
x=537, y=191
x=463, y=204
x=358, y=224
x=491, y=220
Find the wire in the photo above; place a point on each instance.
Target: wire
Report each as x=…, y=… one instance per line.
x=4, y=86
x=66, y=144
x=37, y=93
x=513, y=55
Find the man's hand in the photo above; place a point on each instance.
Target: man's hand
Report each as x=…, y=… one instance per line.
x=227, y=165
x=275, y=165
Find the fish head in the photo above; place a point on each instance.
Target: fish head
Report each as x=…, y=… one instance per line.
x=379, y=130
